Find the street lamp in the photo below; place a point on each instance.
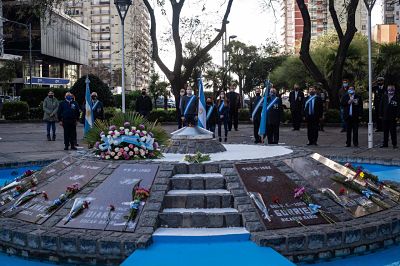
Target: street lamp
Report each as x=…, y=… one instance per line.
x=370, y=4
x=29, y=27
x=229, y=55
x=122, y=7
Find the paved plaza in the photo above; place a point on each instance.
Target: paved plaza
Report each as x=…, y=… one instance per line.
x=23, y=142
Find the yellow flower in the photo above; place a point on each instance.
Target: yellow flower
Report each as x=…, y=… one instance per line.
x=362, y=174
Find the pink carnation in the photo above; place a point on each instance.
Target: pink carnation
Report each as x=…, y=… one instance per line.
x=130, y=146
x=127, y=124
x=112, y=128
x=141, y=127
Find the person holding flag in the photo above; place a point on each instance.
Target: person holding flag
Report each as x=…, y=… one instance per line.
x=97, y=107
x=264, y=112
x=202, y=115
x=212, y=115
x=313, y=111
x=189, y=107
x=255, y=112
x=273, y=116
x=223, y=115
x=89, y=120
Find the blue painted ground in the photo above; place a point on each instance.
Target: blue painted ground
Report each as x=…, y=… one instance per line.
x=384, y=172
x=7, y=174
x=6, y=260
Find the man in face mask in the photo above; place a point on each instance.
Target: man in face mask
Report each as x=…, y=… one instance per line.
x=389, y=112
x=352, y=111
x=313, y=111
x=144, y=104
x=296, y=99
x=50, y=108
x=68, y=115
x=234, y=105
x=97, y=107
x=274, y=116
x=190, y=108
x=379, y=91
x=342, y=93
x=255, y=113
x=179, y=110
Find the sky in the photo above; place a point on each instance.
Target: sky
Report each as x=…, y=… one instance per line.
x=248, y=21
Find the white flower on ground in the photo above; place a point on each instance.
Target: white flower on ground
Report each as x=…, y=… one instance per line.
x=144, y=132
x=116, y=149
x=119, y=154
x=116, y=157
x=133, y=128
x=121, y=128
x=107, y=157
x=130, y=133
x=136, y=149
x=131, y=153
x=112, y=154
x=142, y=139
x=126, y=149
x=117, y=134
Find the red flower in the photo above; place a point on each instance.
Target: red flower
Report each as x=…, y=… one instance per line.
x=45, y=196
x=85, y=204
x=342, y=191
x=28, y=173
x=18, y=188
x=275, y=199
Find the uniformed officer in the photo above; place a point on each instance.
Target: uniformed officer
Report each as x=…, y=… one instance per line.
x=313, y=113
x=212, y=114
x=190, y=108
x=352, y=112
x=296, y=99
x=389, y=113
x=255, y=113
x=275, y=114
x=379, y=90
x=68, y=115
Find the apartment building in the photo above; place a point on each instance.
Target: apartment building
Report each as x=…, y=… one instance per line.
x=101, y=16
x=321, y=21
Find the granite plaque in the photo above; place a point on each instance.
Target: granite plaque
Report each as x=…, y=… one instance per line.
x=34, y=210
x=319, y=177
x=116, y=190
x=277, y=192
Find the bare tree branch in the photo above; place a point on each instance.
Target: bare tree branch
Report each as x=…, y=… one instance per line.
x=176, y=13
x=335, y=19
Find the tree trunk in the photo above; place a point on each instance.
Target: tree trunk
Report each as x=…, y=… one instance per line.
x=241, y=91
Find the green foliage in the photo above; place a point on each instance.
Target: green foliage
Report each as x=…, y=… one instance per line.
x=387, y=63
x=332, y=116
x=244, y=115
x=130, y=100
x=36, y=112
x=96, y=85
x=36, y=95
x=156, y=87
x=15, y=110
x=197, y=158
x=109, y=112
x=9, y=70
x=119, y=119
x=290, y=72
x=163, y=115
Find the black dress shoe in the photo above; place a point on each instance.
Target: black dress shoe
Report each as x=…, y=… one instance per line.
x=73, y=148
x=378, y=130
x=225, y=139
x=383, y=146
x=315, y=144
x=356, y=145
x=65, y=148
x=309, y=144
x=395, y=147
x=348, y=145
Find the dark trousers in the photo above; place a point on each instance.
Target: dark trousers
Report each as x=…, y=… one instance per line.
x=256, y=124
x=389, y=126
x=296, y=118
x=211, y=128
x=69, y=132
x=225, y=123
x=352, y=128
x=189, y=120
x=51, y=125
x=233, y=118
x=343, y=121
x=273, y=133
x=312, y=130
x=144, y=113
x=377, y=120
x=179, y=118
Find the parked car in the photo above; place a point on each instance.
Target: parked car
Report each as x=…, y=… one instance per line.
x=6, y=98
x=160, y=103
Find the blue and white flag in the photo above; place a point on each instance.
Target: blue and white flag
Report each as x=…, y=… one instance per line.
x=88, y=107
x=263, y=122
x=202, y=114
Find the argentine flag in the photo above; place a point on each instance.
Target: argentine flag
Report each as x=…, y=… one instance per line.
x=263, y=122
x=202, y=114
x=88, y=107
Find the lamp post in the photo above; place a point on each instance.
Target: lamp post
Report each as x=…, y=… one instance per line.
x=370, y=4
x=29, y=27
x=122, y=7
x=229, y=55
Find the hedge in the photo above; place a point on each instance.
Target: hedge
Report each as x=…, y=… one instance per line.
x=15, y=110
x=130, y=100
x=36, y=95
x=96, y=85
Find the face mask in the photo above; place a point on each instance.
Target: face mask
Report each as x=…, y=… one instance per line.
x=69, y=98
x=391, y=92
x=189, y=93
x=351, y=91
x=258, y=94
x=312, y=92
x=143, y=93
x=182, y=93
x=272, y=94
x=51, y=96
x=94, y=98
x=209, y=103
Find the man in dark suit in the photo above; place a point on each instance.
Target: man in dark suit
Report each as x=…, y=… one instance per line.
x=190, y=107
x=68, y=115
x=379, y=91
x=313, y=111
x=275, y=114
x=389, y=113
x=144, y=104
x=179, y=110
x=234, y=105
x=352, y=111
x=296, y=99
x=255, y=114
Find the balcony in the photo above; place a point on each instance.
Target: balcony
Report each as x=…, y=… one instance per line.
x=102, y=30
x=98, y=39
x=99, y=22
x=100, y=2
x=74, y=4
x=100, y=12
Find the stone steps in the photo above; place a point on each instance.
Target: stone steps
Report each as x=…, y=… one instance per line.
x=198, y=199
x=200, y=231
x=198, y=181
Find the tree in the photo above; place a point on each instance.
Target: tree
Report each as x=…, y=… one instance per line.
x=102, y=71
x=96, y=85
x=387, y=63
x=158, y=88
x=180, y=73
x=9, y=70
x=333, y=83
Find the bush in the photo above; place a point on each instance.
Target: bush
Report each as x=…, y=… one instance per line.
x=15, y=110
x=96, y=85
x=163, y=115
x=36, y=95
x=332, y=116
x=109, y=112
x=130, y=100
x=244, y=115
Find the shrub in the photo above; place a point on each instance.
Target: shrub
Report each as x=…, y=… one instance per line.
x=15, y=110
x=130, y=100
x=163, y=115
x=36, y=95
x=109, y=112
x=96, y=85
x=332, y=116
x=244, y=114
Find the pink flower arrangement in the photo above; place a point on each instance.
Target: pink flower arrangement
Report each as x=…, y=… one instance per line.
x=298, y=192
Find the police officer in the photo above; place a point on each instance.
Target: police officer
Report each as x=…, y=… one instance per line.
x=255, y=113
x=144, y=104
x=212, y=114
x=313, y=113
x=190, y=108
x=389, y=113
x=352, y=111
x=68, y=115
x=296, y=99
x=275, y=114
x=234, y=105
x=379, y=91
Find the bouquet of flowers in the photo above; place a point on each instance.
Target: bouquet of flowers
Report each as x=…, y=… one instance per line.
x=361, y=174
x=197, y=158
x=139, y=196
x=77, y=208
x=69, y=193
x=21, y=183
x=127, y=143
x=25, y=197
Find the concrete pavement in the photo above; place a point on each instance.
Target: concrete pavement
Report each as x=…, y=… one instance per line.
x=23, y=142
